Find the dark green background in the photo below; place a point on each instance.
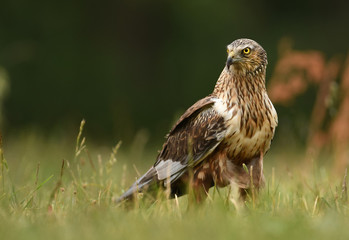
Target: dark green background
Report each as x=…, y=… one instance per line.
x=131, y=65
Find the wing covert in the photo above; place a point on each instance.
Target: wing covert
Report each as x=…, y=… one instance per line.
x=196, y=134
x=189, y=142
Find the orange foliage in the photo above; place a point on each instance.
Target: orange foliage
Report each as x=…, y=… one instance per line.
x=293, y=74
x=339, y=130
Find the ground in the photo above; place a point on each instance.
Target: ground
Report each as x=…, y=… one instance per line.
x=41, y=200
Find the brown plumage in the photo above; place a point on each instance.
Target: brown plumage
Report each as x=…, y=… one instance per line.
x=220, y=133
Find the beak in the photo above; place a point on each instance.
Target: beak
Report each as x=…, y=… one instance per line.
x=230, y=59
x=229, y=62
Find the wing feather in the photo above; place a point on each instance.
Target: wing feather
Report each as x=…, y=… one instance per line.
x=196, y=134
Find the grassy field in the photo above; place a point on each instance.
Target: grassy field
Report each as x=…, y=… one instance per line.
x=57, y=189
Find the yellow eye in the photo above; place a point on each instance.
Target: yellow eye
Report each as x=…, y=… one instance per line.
x=246, y=51
x=227, y=50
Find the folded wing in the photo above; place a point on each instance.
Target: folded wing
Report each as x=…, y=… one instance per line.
x=196, y=134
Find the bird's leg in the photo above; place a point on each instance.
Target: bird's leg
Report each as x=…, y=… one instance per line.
x=244, y=192
x=256, y=177
x=201, y=183
x=260, y=175
x=199, y=193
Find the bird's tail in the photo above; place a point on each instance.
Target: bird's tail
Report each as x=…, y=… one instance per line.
x=148, y=179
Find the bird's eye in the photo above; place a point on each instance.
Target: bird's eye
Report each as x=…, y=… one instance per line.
x=227, y=50
x=246, y=51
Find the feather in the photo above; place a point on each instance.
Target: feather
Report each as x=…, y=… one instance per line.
x=219, y=134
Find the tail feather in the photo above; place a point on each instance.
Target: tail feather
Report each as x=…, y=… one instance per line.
x=143, y=182
x=164, y=172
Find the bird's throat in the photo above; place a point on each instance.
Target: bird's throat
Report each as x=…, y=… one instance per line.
x=235, y=85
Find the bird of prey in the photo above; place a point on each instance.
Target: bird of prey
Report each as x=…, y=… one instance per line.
x=214, y=141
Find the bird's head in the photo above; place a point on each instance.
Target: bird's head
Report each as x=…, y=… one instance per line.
x=246, y=56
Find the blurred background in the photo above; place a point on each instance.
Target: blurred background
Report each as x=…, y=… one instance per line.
x=130, y=68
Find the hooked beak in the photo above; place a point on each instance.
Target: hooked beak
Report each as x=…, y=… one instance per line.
x=231, y=59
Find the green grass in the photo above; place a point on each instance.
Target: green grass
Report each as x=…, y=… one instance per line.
x=58, y=189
